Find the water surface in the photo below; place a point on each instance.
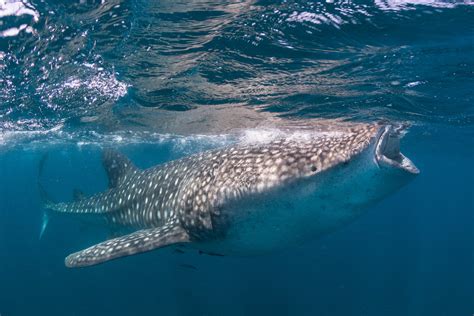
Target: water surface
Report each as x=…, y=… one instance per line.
x=162, y=79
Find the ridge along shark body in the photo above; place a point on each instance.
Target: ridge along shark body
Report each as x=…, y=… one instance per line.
x=246, y=199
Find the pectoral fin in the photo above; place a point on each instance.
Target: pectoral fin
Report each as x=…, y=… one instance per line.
x=137, y=242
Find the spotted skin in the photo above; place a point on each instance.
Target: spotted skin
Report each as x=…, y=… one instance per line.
x=140, y=241
x=184, y=201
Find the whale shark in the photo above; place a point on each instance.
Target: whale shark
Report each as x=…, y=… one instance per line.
x=247, y=198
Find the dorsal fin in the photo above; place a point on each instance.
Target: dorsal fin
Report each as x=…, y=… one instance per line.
x=78, y=195
x=117, y=166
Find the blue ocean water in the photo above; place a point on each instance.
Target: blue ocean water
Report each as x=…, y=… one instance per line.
x=160, y=80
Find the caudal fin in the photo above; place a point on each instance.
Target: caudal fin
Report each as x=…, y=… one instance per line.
x=45, y=199
x=44, y=223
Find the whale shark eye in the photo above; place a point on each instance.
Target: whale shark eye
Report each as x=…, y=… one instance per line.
x=313, y=168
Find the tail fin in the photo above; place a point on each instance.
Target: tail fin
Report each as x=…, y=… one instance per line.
x=44, y=223
x=45, y=199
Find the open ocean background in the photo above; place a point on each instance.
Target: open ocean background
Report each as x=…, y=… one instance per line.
x=162, y=79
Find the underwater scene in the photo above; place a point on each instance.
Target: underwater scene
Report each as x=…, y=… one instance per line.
x=237, y=157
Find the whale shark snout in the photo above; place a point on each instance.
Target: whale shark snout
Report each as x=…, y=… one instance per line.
x=387, y=149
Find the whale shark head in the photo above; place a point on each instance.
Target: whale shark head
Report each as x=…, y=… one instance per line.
x=304, y=187
x=368, y=167
x=351, y=151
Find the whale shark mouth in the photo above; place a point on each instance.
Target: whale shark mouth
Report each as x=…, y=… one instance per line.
x=387, y=150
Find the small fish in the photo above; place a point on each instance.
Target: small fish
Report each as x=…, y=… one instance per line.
x=210, y=253
x=187, y=266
